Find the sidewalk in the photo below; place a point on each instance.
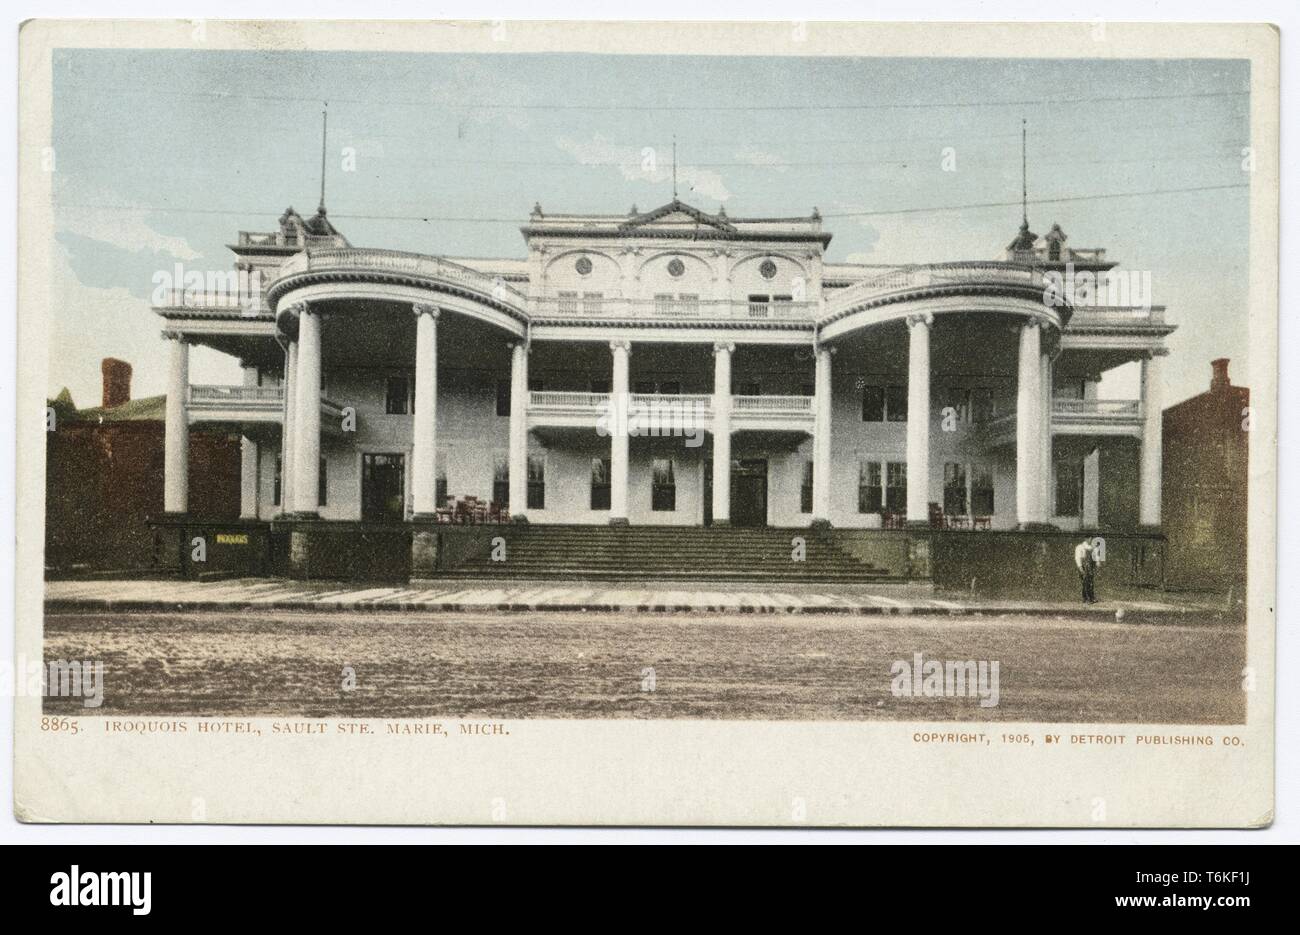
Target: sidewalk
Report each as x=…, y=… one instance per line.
x=594, y=597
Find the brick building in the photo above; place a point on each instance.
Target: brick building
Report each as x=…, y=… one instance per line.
x=104, y=477
x=1206, y=476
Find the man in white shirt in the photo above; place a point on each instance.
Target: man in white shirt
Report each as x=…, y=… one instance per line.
x=1087, y=565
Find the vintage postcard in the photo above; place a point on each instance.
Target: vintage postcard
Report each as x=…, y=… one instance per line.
x=756, y=424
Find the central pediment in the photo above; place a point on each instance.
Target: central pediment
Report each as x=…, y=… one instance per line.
x=678, y=212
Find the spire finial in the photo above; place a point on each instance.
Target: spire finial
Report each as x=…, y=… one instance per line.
x=324, y=135
x=674, y=167
x=1024, y=171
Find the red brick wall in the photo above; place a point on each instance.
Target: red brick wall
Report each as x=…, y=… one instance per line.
x=105, y=481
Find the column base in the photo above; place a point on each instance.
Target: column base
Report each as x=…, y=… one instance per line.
x=424, y=553
x=619, y=521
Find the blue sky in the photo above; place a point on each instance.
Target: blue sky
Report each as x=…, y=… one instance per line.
x=162, y=156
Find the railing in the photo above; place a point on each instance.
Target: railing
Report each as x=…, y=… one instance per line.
x=608, y=307
x=939, y=274
x=551, y=399
x=250, y=304
x=259, y=400
x=1113, y=316
x=1119, y=410
x=250, y=396
x=353, y=259
x=772, y=404
x=1067, y=255
x=278, y=239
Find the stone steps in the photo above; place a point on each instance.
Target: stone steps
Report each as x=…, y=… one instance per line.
x=668, y=553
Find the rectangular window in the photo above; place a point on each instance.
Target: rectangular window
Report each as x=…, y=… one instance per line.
x=981, y=490
x=536, y=482
x=501, y=476
x=689, y=303
x=896, y=403
x=503, y=397
x=758, y=306
x=663, y=304
x=600, y=483
x=870, y=491
x=322, y=488
x=806, y=488
x=981, y=404
x=873, y=404
x=568, y=303
x=663, y=486
x=896, y=486
x=954, y=489
x=440, y=487
x=591, y=302
x=1069, y=487
x=279, y=478
x=397, y=395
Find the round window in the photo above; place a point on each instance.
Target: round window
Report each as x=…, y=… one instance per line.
x=676, y=267
x=767, y=269
x=583, y=266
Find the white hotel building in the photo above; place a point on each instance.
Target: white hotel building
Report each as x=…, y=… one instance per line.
x=388, y=388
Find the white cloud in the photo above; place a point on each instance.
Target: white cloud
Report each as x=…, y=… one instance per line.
x=117, y=222
x=645, y=165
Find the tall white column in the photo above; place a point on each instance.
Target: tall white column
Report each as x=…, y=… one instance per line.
x=306, y=444
x=1152, y=435
x=822, y=438
x=722, y=433
x=1029, y=436
x=1045, y=494
x=918, y=418
x=618, y=441
x=424, y=430
x=1091, y=518
x=290, y=423
x=249, y=475
x=519, y=430
x=176, y=440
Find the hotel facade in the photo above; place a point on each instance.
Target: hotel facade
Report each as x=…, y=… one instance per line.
x=765, y=386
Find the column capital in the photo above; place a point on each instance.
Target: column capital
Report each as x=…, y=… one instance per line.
x=299, y=309
x=920, y=318
x=720, y=346
x=170, y=334
x=826, y=349
x=525, y=344
x=624, y=346
x=1033, y=322
x=419, y=309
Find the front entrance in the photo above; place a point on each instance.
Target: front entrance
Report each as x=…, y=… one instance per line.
x=383, y=484
x=749, y=492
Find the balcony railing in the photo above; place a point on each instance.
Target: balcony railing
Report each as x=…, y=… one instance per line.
x=252, y=404
x=352, y=259
x=1078, y=417
x=906, y=278
x=799, y=405
x=1116, y=316
x=248, y=304
x=664, y=309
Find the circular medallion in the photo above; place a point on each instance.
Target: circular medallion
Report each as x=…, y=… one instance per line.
x=583, y=266
x=676, y=267
x=767, y=269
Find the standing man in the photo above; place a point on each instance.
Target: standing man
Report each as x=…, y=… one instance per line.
x=1087, y=565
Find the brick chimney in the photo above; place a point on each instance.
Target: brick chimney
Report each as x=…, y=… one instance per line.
x=117, y=382
x=1219, y=381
